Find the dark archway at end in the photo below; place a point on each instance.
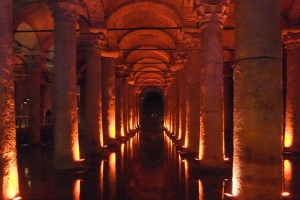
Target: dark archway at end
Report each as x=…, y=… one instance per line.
x=152, y=107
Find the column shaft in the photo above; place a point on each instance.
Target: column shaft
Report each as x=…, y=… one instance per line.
x=257, y=162
x=193, y=92
x=66, y=144
x=8, y=152
x=119, y=107
x=292, y=112
x=108, y=98
x=211, y=95
x=34, y=103
x=93, y=97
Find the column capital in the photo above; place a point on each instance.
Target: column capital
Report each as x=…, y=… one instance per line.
x=121, y=71
x=211, y=11
x=192, y=38
x=179, y=60
x=291, y=40
x=65, y=10
x=98, y=42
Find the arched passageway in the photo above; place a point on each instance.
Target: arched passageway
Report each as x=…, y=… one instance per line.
x=152, y=108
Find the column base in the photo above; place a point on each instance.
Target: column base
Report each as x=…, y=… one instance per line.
x=291, y=151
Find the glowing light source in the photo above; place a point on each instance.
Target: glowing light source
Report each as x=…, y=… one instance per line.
x=288, y=135
x=202, y=139
x=76, y=155
x=10, y=181
x=285, y=194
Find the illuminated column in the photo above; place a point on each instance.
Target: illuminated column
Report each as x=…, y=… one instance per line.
x=108, y=98
x=34, y=103
x=134, y=108
x=8, y=151
x=137, y=106
x=292, y=120
x=211, y=17
x=257, y=159
x=166, y=109
x=192, y=39
x=180, y=60
x=66, y=144
x=120, y=102
x=93, y=97
x=182, y=102
x=228, y=109
x=130, y=95
x=125, y=106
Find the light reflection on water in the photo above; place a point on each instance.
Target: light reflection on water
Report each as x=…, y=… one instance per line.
x=145, y=167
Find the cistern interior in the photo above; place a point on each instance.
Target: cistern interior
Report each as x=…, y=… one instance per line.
x=150, y=99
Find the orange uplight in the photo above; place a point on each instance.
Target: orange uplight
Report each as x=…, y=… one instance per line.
x=288, y=136
x=101, y=138
x=10, y=181
x=285, y=194
x=76, y=155
x=236, y=168
x=112, y=128
x=202, y=139
x=289, y=126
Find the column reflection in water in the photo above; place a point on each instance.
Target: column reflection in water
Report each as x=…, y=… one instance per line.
x=112, y=176
x=287, y=177
x=101, y=178
x=76, y=190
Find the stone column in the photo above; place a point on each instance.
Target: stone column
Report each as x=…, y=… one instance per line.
x=192, y=39
x=257, y=159
x=66, y=144
x=130, y=106
x=108, y=99
x=211, y=18
x=182, y=102
x=34, y=103
x=8, y=152
x=120, y=94
x=137, y=107
x=93, y=96
x=228, y=110
x=292, y=112
x=180, y=60
x=125, y=106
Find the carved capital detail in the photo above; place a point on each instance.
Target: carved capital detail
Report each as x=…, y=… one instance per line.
x=66, y=10
x=292, y=40
x=192, y=41
x=98, y=42
x=121, y=71
x=207, y=11
x=180, y=58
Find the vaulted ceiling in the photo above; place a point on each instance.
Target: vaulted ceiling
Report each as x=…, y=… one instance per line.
x=147, y=34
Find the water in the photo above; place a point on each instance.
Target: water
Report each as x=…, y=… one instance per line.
x=145, y=167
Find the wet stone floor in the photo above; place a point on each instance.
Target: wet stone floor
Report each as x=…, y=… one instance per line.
x=146, y=167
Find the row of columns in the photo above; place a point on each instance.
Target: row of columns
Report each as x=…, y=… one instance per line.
x=257, y=97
